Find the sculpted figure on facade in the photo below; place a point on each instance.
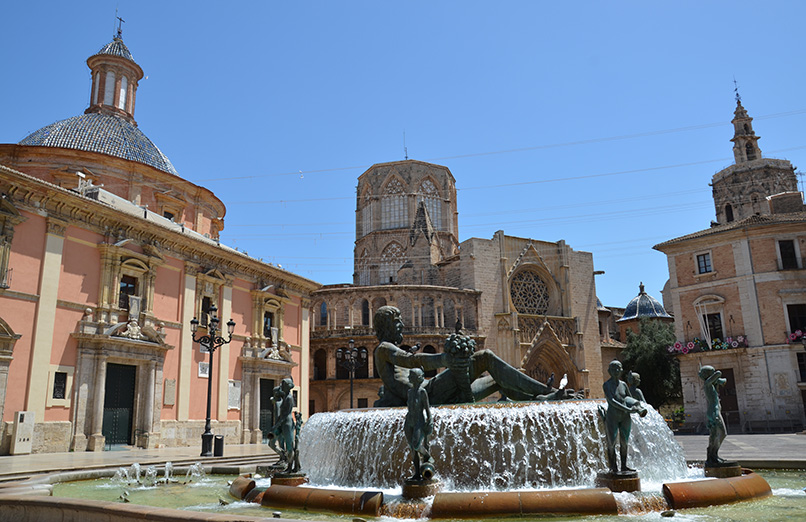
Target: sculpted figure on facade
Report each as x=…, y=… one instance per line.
x=461, y=381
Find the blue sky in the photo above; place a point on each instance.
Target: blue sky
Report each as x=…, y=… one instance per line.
x=600, y=123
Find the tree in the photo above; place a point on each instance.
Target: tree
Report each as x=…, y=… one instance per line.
x=647, y=354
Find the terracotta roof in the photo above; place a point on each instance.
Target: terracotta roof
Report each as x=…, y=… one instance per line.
x=753, y=221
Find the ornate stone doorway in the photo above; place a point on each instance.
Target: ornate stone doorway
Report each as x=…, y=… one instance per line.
x=119, y=403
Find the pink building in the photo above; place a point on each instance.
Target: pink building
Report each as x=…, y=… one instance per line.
x=98, y=286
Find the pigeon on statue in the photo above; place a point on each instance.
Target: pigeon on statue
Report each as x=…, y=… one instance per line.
x=564, y=381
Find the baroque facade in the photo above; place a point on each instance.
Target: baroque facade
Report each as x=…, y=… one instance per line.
x=532, y=302
x=738, y=292
x=106, y=255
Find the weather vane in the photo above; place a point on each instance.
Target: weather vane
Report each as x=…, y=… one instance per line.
x=736, y=90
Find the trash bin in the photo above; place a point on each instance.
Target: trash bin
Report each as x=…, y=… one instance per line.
x=218, y=446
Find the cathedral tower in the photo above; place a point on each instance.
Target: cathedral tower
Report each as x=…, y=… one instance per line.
x=406, y=216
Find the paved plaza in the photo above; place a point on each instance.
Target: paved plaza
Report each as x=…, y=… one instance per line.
x=786, y=450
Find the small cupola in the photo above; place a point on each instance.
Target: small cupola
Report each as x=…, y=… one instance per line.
x=114, y=80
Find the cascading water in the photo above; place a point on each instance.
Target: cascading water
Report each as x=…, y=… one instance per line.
x=487, y=446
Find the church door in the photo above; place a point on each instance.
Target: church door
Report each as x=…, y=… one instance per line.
x=119, y=403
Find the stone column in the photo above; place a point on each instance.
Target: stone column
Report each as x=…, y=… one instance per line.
x=148, y=424
x=97, y=439
x=254, y=421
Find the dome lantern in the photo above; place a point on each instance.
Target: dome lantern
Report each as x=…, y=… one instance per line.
x=115, y=76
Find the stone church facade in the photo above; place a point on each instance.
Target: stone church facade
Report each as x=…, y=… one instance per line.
x=532, y=302
x=738, y=293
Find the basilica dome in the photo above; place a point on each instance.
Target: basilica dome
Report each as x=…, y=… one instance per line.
x=104, y=133
x=644, y=305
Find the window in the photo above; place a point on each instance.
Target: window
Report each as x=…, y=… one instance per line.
x=789, y=258
x=704, y=263
x=320, y=365
x=206, y=304
x=128, y=287
x=60, y=385
x=323, y=314
x=394, y=211
x=529, y=293
x=95, y=88
x=122, y=98
x=362, y=403
x=728, y=213
x=364, y=313
x=802, y=366
x=430, y=196
x=168, y=215
x=363, y=268
x=109, y=88
x=391, y=261
x=751, y=154
x=366, y=216
x=714, y=324
x=311, y=407
x=268, y=319
x=797, y=317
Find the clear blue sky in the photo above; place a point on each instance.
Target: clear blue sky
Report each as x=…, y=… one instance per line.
x=600, y=123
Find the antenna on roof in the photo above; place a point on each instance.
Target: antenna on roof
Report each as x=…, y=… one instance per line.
x=736, y=90
x=405, y=149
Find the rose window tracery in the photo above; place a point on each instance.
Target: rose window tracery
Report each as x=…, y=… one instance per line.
x=529, y=293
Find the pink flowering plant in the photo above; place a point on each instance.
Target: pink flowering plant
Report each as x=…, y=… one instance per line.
x=701, y=345
x=796, y=336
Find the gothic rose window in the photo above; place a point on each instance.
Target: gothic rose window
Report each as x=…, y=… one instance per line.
x=529, y=293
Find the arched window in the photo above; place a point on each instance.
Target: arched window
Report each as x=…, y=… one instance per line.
x=123, y=88
x=363, y=268
x=529, y=293
x=728, y=213
x=751, y=154
x=320, y=365
x=429, y=194
x=746, y=128
x=364, y=312
x=323, y=314
x=394, y=211
x=109, y=88
x=366, y=214
x=362, y=372
x=391, y=261
x=95, y=87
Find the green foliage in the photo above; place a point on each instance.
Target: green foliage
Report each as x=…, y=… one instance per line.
x=647, y=354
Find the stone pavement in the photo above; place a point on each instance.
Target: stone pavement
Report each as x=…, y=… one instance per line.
x=780, y=450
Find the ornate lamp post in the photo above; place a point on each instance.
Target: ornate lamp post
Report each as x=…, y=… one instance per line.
x=210, y=341
x=351, y=359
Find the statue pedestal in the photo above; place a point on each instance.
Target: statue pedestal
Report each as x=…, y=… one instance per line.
x=289, y=479
x=723, y=470
x=618, y=482
x=421, y=488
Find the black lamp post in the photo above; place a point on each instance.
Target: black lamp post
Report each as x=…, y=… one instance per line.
x=351, y=359
x=210, y=341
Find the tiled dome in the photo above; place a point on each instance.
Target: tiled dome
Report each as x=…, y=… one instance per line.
x=107, y=134
x=644, y=305
x=116, y=48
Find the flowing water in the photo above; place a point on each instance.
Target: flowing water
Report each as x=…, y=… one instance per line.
x=488, y=446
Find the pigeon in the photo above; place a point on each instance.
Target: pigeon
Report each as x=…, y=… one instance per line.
x=550, y=382
x=564, y=381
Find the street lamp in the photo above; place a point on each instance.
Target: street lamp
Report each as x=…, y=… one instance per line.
x=351, y=359
x=210, y=341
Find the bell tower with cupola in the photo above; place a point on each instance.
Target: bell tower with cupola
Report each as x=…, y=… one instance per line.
x=744, y=188
x=114, y=80
x=745, y=141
